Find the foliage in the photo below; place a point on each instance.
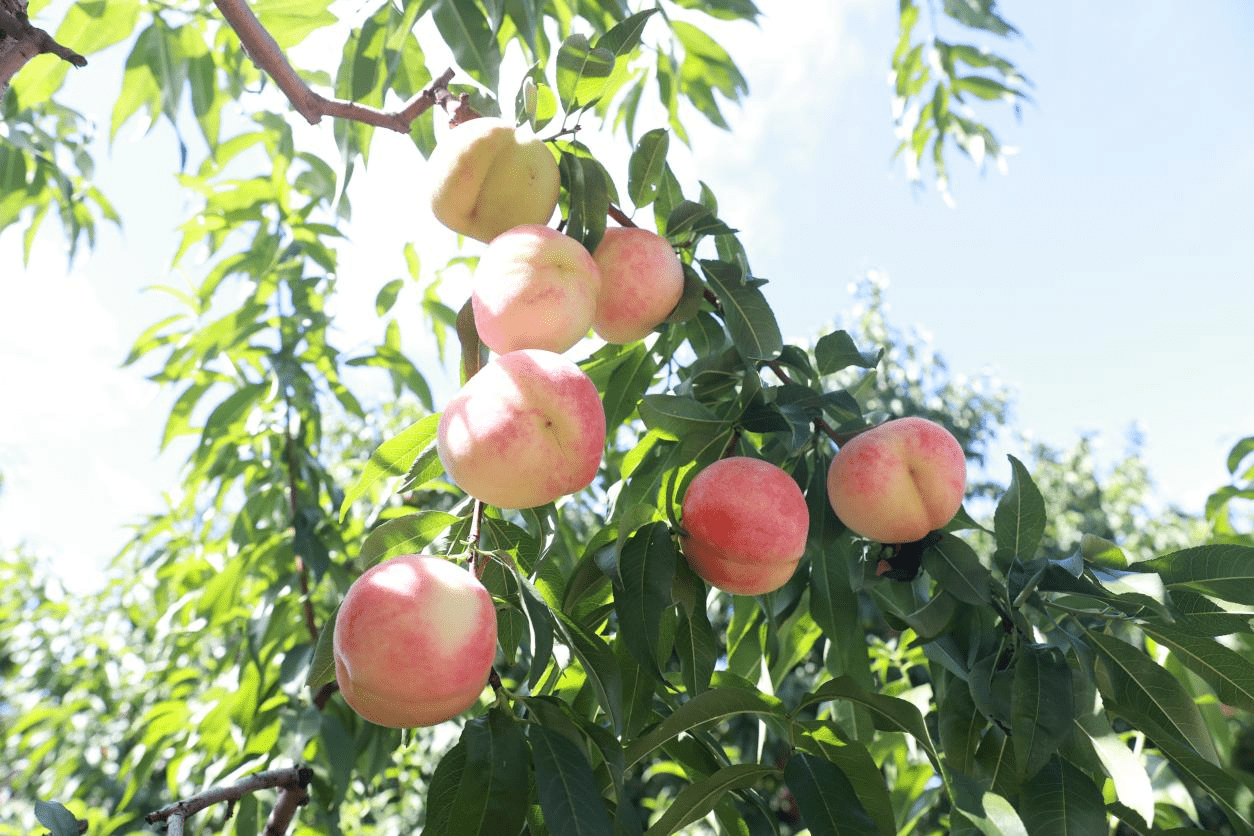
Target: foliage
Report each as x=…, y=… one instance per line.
x=1055, y=666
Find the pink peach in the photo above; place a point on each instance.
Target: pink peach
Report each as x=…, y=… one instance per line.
x=896, y=482
x=642, y=281
x=414, y=641
x=525, y=430
x=534, y=288
x=745, y=525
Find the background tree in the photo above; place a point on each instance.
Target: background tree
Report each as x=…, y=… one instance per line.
x=997, y=682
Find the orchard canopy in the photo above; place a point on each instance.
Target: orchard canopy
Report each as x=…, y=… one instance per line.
x=905, y=653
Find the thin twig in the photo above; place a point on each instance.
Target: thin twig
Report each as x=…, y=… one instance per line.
x=268, y=56
x=27, y=41
x=295, y=777
x=819, y=423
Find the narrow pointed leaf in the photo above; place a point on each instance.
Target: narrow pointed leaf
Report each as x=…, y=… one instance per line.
x=392, y=458
x=957, y=569
x=828, y=804
x=1041, y=710
x=1231, y=674
x=1063, y=801
x=1224, y=571
x=1019, y=521
x=566, y=787
x=697, y=799
x=492, y=796
x=715, y=704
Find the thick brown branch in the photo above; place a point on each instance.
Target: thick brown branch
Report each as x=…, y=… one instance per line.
x=20, y=42
x=292, y=780
x=268, y=56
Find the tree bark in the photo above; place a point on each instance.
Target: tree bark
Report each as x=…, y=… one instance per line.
x=20, y=42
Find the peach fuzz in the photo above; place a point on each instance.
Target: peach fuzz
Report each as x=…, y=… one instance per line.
x=486, y=176
x=414, y=641
x=525, y=430
x=745, y=524
x=642, y=281
x=534, y=288
x=896, y=482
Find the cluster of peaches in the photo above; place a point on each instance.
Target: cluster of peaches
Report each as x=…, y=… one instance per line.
x=415, y=636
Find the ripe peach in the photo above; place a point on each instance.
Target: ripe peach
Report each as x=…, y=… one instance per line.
x=896, y=482
x=487, y=176
x=414, y=641
x=534, y=288
x=528, y=428
x=641, y=283
x=745, y=524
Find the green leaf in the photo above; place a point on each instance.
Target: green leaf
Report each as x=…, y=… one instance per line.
x=697, y=647
x=1041, y=708
x=957, y=568
x=647, y=166
x=1229, y=791
x=541, y=621
x=829, y=806
x=748, y=315
x=1126, y=770
x=409, y=534
x=1230, y=673
x=888, y=713
x=723, y=9
x=588, y=188
x=392, y=458
x=697, y=799
x=1063, y=801
x=853, y=759
x=679, y=417
x=443, y=790
x=646, y=570
x=960, y=725
x=597, y=660
x=291, y=21
x=688, y=219
x=716, y=704
x=492, y=796
x=582, y=72
x=465, y=29
x=566, y=787
x=386, y=297
x=836, y=351
x=1146, y=695
x=625, y=36
x=1224, y=571
x=54, y=816
x=322, y=665
x=1019, y=521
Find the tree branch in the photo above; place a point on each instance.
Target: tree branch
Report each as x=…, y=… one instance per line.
x=20, y=42
x=268, y=56
x=292, y=780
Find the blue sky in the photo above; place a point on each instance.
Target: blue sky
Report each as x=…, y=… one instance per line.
x=1107, y=277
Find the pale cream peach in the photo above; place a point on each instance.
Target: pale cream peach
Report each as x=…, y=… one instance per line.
x=896, y=482
x=641, y=282
x=414, y=641
x=486, y=176
x=534, y=288
x=745, y=524
x=525, y=430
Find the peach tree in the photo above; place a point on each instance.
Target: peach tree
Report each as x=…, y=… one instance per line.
x=996, y=675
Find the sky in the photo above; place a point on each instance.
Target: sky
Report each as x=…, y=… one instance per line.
x=1106, y=277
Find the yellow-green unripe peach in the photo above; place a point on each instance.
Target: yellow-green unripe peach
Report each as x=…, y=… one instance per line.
x=896, y=482
x=525, y=430
x=488, y=176
x=641, y=282
x=534, y=288
x=745, y=523
x=414, y=641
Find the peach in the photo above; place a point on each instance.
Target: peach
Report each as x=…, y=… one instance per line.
x=525, y=430
x=534, y=288
x=641, y=282
x=414, y=641
x=486, y=176
x=745, y=523
x=896, y=482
